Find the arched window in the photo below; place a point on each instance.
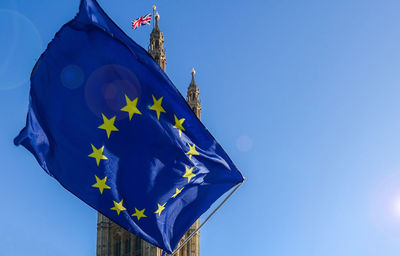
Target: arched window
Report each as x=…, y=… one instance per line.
x=128, y=244
x=138, y=246
x=188, y=249
x=117, y=246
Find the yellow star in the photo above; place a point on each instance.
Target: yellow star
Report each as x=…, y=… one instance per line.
x=131, y=107
x=178, y=191
x=139, y=214
x=101, y=184
x=98, y=154
x=189, y=173
x=157, y=106
x=118, y=207
x=108, y=125
x=160, y=209
x=179, y=124
x=192, y=151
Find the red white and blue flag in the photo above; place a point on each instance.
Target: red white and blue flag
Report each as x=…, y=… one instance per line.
x=141, y=21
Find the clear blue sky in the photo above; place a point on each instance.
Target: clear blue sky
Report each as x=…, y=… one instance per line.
x=303, y=95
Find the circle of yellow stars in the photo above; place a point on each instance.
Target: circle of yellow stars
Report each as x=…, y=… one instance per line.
x=108, y=126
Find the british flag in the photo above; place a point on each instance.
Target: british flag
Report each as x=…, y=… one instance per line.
x=141, y=21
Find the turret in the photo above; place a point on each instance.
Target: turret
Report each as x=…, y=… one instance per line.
x=193, y=96
x=156, y=47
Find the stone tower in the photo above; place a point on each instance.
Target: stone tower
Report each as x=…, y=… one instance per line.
x=156, y=47
x=193, y=96
x=113, y=240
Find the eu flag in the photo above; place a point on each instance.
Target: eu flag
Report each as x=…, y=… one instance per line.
x=108, y=124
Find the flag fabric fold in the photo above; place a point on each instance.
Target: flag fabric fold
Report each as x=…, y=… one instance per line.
x=108, y=124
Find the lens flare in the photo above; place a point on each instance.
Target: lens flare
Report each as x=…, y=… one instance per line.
x=103, y=93
x=20, y=51
x=396, y=207
x=72, y=76
x=244, y=143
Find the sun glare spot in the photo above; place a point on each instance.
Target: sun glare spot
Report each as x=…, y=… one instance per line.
x=396, y=207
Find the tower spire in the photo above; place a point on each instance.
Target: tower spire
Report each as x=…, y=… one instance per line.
x=154, y=9
x=156, y=47
x=193, y=95
x=157, y=18
x=193, y=74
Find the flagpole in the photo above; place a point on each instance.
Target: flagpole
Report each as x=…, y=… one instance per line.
x=208, y=218
x=154, y=9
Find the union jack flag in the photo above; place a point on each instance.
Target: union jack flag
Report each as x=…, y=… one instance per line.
x=141, y=21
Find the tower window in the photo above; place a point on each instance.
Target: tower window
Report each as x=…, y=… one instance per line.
x=188, y=249
x=118, y=247
x=128, y=244
x=138, y=246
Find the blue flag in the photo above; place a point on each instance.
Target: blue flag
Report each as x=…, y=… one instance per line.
x=108, y=124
